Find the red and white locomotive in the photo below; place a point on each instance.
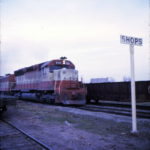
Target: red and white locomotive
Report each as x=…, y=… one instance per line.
x=7, y=83
x=54, y=81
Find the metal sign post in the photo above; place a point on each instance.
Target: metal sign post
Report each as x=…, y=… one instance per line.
x=132, y=41
x=133, y=97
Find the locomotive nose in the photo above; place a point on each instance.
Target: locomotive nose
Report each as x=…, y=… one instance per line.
x=77, y=95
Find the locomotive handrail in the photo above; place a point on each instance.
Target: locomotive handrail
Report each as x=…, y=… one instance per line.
x=60, y=85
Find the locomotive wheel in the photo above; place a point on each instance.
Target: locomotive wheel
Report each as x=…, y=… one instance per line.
x=52, y=101
x=4, y=108
x=64, y=98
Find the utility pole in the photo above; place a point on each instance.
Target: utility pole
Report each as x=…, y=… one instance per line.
x=149, y=38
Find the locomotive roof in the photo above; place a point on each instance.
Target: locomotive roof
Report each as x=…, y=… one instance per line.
x=7, y=77
x=43, y=65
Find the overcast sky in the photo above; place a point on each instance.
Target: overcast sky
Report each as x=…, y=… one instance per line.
x=87, y=32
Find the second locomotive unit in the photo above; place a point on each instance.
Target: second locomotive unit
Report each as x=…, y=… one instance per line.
x=54, y=81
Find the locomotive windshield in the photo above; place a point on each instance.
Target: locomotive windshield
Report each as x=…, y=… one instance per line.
x=57, y=67
x=66, y=74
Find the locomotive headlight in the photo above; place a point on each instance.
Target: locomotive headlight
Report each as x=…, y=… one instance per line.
x=64, y=62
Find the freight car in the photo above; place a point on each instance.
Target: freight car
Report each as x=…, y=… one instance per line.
x=7, y=83
x=54, y=81
x=118, y=91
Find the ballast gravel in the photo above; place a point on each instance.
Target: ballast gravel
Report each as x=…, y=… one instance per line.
x=65, y=128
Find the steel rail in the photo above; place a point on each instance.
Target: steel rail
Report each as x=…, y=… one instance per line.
x=114, y=110
x=46, y=147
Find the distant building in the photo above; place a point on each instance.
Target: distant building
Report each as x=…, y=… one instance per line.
x=102, y=80
x=126, y=79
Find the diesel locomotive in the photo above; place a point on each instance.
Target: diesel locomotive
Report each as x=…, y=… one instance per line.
x=54, y=81
x=6, y=84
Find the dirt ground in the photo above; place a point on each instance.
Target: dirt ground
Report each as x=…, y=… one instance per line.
x=63, y=128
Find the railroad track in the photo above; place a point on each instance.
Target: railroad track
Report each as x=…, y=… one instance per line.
x=13, y=138
x=116, y=110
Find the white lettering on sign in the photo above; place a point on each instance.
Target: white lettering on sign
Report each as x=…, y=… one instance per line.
x=131, y=40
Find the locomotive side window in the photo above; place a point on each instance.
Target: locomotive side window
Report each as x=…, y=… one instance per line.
x=67, y=63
